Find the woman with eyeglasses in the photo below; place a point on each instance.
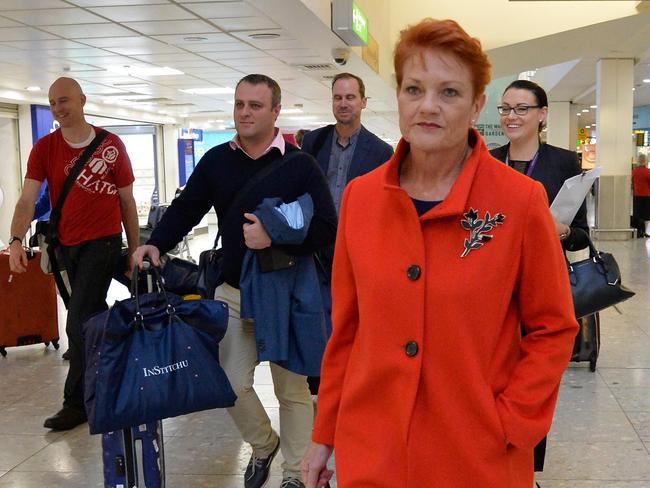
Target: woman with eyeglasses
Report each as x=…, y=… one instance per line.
x=523, y=112
x=441, y=253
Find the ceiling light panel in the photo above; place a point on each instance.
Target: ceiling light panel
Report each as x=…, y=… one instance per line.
x=220, y=47
x=141, y=50
x=141, y=13
x=84, y=31
x=171, y=58
x=172, y=27
x=58, y=16
x=213, y=10
x=245, y=23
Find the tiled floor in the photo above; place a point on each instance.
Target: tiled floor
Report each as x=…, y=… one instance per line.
x=600, y=437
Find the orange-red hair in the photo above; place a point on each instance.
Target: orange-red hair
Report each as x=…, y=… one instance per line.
x=448, y=36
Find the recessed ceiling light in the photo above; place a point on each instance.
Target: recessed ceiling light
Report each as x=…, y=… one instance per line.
x=593, y=106
x=33, y=88
x=195, y=38
x=585, y=110
x=264, y=35
x=286, y=111
x=213, y=90
x=578, y=114
x=647, y=80
x=144, y=70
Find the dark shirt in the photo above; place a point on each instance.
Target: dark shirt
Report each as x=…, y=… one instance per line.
x=339, y=165
x=218, y=177
x=423, y=206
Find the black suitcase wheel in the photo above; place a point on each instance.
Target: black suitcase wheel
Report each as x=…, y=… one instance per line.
x=3, y=351
x=592, y=362
x=55, y=343
x=47, y=344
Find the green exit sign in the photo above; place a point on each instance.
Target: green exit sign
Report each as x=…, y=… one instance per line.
x=349, y=22
x=359, y=23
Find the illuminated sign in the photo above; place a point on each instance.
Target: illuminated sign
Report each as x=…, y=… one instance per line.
x=349, y=22
x=190, y=133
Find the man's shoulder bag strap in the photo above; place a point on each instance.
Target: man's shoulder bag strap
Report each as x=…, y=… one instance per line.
x=55, y=215
x=254, y=180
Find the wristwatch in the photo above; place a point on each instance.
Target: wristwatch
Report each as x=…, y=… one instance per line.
x=14, y=238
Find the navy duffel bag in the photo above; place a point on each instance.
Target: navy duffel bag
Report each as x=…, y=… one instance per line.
x=154, y=356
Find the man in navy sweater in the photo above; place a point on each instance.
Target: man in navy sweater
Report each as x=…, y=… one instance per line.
x=215, y=182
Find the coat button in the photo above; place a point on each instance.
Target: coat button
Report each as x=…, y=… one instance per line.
x=414, y=272
x=411, y=348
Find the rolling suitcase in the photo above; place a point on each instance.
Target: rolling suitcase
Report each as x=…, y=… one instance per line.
x=28, y=314
x=122, y=449
x=587, y=342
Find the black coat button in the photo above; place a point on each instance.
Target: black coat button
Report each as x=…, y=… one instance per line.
x=411, y=348
x=414, y=272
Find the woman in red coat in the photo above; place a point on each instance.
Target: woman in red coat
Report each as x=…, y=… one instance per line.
x=441, y=254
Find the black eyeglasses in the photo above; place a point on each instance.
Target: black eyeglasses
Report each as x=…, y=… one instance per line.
x=518, y=110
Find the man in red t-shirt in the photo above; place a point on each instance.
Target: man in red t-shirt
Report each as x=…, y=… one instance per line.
x=90, y=226
x=641, y=196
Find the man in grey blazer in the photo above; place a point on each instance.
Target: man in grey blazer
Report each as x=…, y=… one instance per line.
x=347, y=149
x=344, y=151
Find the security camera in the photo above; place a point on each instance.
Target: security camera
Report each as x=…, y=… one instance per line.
x=340, y=56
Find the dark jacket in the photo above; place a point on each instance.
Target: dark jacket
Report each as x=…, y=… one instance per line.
x=215, y=182
x=369, y=153
x=291, y=306
x=555, y=165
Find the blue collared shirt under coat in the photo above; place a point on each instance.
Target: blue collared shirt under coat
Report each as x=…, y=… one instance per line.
x=290, y=307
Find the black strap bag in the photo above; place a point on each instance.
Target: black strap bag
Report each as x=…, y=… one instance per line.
x=52, y=236
x=209, y=275
x=596, y=283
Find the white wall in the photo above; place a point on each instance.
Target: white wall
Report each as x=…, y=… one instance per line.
x=10, y=176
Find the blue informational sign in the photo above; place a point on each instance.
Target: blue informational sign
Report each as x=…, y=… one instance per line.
x=43, y=122
x=190, y=133
x=185, y=160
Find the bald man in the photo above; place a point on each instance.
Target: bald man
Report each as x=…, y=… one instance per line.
x=90, y=226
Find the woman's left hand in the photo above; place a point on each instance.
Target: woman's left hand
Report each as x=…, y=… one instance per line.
x=314, y=466
x=562, y=229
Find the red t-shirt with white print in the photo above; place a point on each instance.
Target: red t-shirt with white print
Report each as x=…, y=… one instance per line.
x=92, y=207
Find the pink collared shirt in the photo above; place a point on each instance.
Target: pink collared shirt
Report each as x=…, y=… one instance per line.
x=278, y=141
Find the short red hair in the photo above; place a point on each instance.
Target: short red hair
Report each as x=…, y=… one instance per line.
x=448, y=36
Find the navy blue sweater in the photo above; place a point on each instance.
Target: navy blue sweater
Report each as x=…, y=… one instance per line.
x=219, y=176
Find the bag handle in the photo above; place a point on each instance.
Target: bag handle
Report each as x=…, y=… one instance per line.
x=148, y=268
x=254, y=180
x=611, y=275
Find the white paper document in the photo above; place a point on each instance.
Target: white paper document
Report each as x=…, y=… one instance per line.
x=573, y=192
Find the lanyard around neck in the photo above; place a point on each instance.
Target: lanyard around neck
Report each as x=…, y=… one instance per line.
x=531, y=166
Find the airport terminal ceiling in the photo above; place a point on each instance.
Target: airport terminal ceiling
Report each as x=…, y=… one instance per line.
x=176, y=61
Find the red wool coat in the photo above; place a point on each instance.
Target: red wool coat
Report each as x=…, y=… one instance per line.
x=426, y=380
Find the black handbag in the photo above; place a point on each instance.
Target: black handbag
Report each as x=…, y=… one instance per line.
x=596, y=283
x=209, y=275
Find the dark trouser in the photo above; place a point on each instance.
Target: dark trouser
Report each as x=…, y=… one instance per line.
x=90, y=267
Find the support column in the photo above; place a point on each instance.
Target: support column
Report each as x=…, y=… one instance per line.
x=614, y=82
x=558, y=125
